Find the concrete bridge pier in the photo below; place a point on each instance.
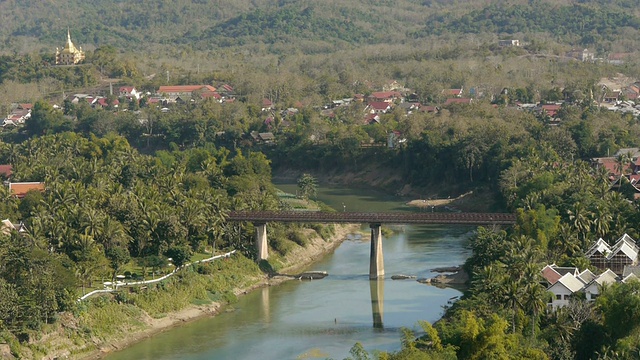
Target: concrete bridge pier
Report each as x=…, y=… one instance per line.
x=376, y=259
x=261, y=241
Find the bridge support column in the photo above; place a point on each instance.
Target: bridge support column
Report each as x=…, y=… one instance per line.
x=262, y=248
x=376, y=260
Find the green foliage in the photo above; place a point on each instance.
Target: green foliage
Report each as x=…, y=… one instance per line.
x=577, y=23
x=307, y=186
x=180, y=255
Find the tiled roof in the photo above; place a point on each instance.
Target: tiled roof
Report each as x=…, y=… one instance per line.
x=20, y=189
x=184, y=88
x=379, y=105
x=458, y=101
x=6, y=170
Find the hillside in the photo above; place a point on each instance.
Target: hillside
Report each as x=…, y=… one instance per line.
x=30, y=25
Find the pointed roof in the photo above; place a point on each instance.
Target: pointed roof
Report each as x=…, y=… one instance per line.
x=627, y=246
x=586, y=276
x=630, y=277
x=69, y=47
x=600, y=246
x=550, y=274
x=629, y=269
x=606, y=277
x=570, y=282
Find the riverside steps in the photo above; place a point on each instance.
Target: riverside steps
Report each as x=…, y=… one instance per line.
x=375, y=219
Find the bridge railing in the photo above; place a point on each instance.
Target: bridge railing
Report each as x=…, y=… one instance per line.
x=372, y=217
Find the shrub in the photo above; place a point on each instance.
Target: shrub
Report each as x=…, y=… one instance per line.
x=298, y=238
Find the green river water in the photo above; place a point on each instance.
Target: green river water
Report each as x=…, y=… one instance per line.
x=323, y=319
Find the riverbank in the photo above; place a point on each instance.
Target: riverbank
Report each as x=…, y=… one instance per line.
x=295, y=261
x=442, y=197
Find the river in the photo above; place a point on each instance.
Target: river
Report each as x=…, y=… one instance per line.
x=323, y=319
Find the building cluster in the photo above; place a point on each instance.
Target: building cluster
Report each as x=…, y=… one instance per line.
x=615, y=263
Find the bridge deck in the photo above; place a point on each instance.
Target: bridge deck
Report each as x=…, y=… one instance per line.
x=375, y=218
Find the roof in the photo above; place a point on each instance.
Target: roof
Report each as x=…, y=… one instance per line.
x=600, y=247
x=184, y=88
x=385, y=94
x=458, y=101
x=379, y=105
x=627, y=246
x=452, y=92
x=20, y=189
x=570, y=282
x=127, y=89
x=562, y=270
x=549, y=274
x=6, y=170
x=606, y=277
x=628, y=269
x=266, y=136
x=586, y=276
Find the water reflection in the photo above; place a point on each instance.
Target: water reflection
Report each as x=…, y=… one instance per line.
x=377, y=302
x=266, y=304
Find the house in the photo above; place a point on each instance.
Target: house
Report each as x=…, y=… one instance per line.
x=452, y=92
x=267, y=104
x=378, y=107
x=508, y=43
x=618, y=58
x=566, y=282
x=372, y=119
x=552, y=273
x=20, y=189
x=612, y=96
x=129, y=92
x=392, y=86
x=592, y=289
x=103, y=102
x=6, y=227
x=211, y=95
x=17, y=117
x=90, y=99
x=183, y=91
x=598, y=254
x=429, y=109
x=623, y=253
x=385, y=96
x=563, y=289
x=464, y=101
x=264, y=138
x=550, y=110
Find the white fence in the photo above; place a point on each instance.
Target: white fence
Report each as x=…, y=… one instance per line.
x=118, y=284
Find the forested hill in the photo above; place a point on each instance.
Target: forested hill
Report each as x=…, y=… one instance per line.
x=209, y=24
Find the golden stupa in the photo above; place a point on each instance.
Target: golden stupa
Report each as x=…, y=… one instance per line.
x=70, y=55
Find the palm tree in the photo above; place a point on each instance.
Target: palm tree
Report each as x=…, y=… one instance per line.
x=535, y=296
x=579, y=217
x=512, y=297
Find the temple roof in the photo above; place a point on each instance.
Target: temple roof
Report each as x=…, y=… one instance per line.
x=69, y=47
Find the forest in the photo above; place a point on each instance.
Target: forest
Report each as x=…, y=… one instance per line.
x=129, y=189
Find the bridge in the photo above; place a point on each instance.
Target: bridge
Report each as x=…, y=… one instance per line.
x=374, y=219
